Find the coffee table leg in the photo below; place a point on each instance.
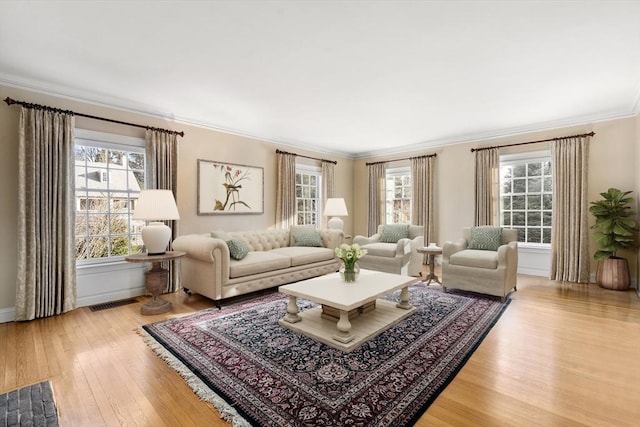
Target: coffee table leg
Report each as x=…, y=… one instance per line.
x=404, y=299
x=344, y=328
x=292, y=310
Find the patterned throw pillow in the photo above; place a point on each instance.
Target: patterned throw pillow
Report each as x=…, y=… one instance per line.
x=308, y=239
x=391, y=233
x=238, y=249
x=485, y=238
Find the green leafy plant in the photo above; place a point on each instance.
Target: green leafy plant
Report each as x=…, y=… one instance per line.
x=615, y=226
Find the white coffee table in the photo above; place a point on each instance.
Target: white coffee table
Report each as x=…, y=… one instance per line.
x=362, y=315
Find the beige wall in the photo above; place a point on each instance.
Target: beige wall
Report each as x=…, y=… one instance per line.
x=198, y=143
x=613, y=160
x=612, y=163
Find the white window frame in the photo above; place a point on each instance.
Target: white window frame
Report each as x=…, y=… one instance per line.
x=390, y=174
x=317, y=172
x=109, y=141
x=524, y=158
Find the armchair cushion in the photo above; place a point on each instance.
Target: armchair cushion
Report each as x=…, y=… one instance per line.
x=475, y=258
x=485, y=238
x=382, y=249
x=391, y=233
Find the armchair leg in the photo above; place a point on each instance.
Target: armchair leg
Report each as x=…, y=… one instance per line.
x=515, y=288
x=444, y=289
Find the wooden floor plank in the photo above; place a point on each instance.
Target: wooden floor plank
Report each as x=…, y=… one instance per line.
x=562, y=354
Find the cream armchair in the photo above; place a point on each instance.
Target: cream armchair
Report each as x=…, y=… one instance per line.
x=469, y=263
x=400, y=257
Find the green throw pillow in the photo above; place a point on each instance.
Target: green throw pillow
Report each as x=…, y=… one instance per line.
x=391, y=233
x=220, y=234
x=485, y=238
x=308, y=239
x=238, y=249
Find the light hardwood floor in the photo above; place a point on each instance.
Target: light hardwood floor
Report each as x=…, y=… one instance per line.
x=562, y=354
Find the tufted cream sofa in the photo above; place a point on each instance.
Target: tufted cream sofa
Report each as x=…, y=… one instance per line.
x=209, y=270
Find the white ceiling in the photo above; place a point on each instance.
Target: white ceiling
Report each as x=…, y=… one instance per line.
x=350, y=77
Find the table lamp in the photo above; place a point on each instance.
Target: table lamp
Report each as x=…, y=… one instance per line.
x=156, y=205
x=335, y=208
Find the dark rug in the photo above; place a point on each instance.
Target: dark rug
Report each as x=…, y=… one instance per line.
x=259, y=373
x=29, y=406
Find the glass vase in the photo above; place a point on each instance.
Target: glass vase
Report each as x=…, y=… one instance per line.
x=349, y=275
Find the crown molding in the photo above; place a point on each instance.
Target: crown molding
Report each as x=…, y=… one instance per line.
x=636, y=105
x=122, y=105
x=499, y=133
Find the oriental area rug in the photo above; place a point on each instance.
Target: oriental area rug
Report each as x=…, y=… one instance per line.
x=256, y=372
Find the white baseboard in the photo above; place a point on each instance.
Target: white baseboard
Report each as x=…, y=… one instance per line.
x=7, y=314
x=111, y=296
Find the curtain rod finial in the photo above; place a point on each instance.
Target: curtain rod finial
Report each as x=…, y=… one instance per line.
x=9, y=101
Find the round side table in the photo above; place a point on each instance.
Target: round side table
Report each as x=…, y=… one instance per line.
x=156, y=279
x=431, y=252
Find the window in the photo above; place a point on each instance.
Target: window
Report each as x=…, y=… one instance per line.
x=308, y=195
x=109, y=176
x=526, y=195
x=398, y=196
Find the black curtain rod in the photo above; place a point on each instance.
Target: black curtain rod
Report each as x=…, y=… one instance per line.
x=534, y=142
x=307, y=157
x=396, y=160
x=10, y=101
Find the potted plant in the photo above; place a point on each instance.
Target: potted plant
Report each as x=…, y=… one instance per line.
x=615, y=229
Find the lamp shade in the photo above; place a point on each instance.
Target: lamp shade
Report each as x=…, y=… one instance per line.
x=336, y=207
x=156, y=205
x=153, y=205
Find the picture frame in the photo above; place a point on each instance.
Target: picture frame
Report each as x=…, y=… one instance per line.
x=229, y=189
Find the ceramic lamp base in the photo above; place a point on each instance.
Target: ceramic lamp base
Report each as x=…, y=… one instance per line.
x=156, y=237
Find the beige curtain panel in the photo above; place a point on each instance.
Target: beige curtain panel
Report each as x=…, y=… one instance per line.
x=46, y=282
x=286, y=190
x=377, y=176
x=162, y=173
x=422, y=206
x=487, y=186
x=570, y=232
x=328, y=187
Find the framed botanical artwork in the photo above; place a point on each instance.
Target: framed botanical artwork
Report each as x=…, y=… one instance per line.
x=227, y=188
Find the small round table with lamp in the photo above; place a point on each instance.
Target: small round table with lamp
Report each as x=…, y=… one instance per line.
x=156, y=279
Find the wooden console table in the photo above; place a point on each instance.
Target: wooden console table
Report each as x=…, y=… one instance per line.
x=156, y=279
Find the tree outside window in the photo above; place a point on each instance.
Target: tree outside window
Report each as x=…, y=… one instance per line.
x=526, y=196
x=108, y=182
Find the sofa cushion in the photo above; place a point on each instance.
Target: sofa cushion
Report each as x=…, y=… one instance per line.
x=312, y=239
x=387, y=250
x=301, y=255
x=485, y=238
x=391, y=233
x=258, y=262
x=475, y=258
x=238, y=249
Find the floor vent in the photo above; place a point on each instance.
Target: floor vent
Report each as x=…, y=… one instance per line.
x=112, y=304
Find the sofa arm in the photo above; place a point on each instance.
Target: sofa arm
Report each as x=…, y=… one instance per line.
x=508, y=255
x=363, y=240
x=403, y=247
x=449, y=248
x=331, y=238
x=201, y=247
